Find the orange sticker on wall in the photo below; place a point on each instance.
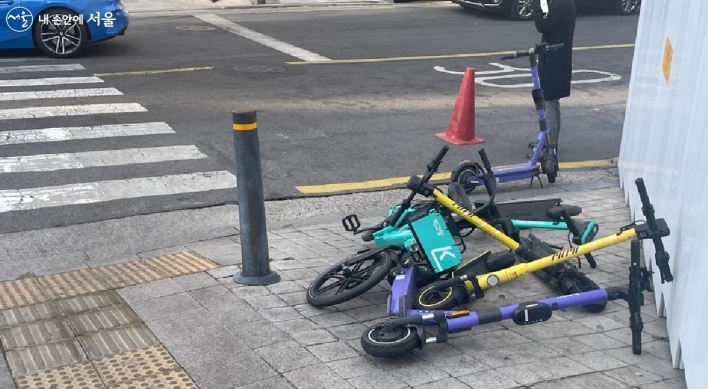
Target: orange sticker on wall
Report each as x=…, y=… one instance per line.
x=668, y=57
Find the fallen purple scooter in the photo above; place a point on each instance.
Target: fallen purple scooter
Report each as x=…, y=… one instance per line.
x=466, y=172
x=405, y=330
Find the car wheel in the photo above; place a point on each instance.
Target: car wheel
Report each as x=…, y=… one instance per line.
x=59, y=39
x=626, y=7
x=521, y=9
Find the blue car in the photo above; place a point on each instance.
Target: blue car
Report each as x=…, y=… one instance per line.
x=60, y=28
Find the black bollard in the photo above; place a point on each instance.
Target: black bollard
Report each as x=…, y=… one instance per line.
x=255, y=266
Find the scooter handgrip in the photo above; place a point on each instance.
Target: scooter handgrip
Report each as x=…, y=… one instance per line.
x=485, y=160
x=647, y=208
x=637, y=340
x=438, y=158
x=508, y=57
x=556, y=46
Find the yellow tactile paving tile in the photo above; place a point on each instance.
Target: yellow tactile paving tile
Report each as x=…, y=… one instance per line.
x=73, y=283
x=182, y=263
x=130, y=273
x=128, y=366
x=17, y=293
x=167, y=379
x=28, y=291
x=82, y=375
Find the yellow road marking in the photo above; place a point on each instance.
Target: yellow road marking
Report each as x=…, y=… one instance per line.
x=388, y=182
x=139, y=72
x=446, y=56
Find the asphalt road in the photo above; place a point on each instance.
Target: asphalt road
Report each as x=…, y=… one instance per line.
x=318, y=123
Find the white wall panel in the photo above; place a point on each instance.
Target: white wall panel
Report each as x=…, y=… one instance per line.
x=665, y=141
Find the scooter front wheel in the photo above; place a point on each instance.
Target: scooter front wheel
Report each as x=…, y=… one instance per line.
x=445, y=299
x=378, y=342
x=350, y=278
x=462, y=174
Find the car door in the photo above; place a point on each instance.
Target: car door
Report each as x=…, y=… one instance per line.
x=15, y=24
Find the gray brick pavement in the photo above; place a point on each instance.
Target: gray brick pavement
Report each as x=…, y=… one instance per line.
x=231, y=336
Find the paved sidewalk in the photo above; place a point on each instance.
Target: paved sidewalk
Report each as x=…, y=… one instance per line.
x=174, y=317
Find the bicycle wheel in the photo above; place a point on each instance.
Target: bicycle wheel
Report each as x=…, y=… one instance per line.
x=351, y=277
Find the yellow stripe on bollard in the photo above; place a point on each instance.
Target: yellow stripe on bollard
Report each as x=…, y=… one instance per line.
x=245, y=127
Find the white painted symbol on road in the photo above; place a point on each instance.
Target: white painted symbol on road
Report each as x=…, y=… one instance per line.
x=504, y=73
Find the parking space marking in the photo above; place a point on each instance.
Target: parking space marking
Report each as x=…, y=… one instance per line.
x=390, y=182
x=504, y=73
x=263, y=39
x=155, y=71
x=446, y=56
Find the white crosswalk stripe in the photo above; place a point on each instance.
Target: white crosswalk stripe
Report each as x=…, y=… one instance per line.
x=59, y=94
x=59, y=134
x=75, y=158
x=40, y=68
x=50, y=162
x=101, y=191
x=49, y=81
x=69, y=110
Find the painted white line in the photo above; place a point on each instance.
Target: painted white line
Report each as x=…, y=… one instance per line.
x=59, y=94
x=69, y=110
x=41, y=68
x=101, y=191
x=263, y=39
x=7, y=60
x=49, y=81
x=59, y=134
x=52, y=162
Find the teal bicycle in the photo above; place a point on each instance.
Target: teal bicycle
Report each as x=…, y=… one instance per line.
x=430, y=234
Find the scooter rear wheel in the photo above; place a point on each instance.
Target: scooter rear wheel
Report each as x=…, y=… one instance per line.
x=352, y=277
x=465, y=170
x=378, y=342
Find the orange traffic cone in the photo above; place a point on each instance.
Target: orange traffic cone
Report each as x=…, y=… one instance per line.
x=460, y=131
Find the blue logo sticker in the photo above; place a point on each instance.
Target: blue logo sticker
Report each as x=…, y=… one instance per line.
x=19, y=19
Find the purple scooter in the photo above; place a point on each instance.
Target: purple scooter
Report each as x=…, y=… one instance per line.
x=466, y=172
x=404, y=331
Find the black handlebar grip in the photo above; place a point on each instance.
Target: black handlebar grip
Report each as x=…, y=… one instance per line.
x=647, y=208
x=508, y=57
x=485, y=160
x=556, y=46
x=438, y=158
x=591, y=260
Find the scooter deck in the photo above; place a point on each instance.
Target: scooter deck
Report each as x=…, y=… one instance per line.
x=534, y=210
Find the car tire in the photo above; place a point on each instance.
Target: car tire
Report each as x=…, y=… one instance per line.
x=76, y=36
x=626, y=7
x=521, y=10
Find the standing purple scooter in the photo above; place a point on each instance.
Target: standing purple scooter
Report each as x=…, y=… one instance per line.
x=466, y=172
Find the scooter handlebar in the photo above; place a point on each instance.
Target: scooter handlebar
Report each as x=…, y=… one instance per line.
x=432, y=168
x=661, y=256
